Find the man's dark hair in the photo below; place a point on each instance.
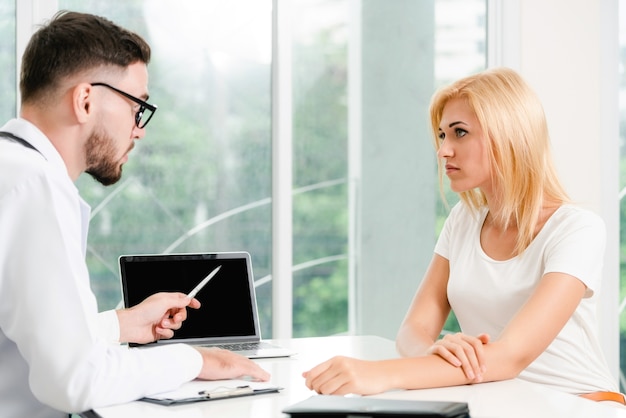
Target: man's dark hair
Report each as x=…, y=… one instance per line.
x=74, y=42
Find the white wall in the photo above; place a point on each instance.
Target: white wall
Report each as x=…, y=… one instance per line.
x=568, y=51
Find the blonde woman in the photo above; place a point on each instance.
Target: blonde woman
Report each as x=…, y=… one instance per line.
x=518, y=264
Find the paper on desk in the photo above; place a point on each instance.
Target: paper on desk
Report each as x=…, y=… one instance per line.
x=192, y=389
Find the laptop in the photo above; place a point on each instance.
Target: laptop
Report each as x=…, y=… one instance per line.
x=228, y=317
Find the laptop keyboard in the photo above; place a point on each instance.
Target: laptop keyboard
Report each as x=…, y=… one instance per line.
x=255, y=345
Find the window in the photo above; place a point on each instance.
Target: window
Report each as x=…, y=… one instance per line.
x=8, y=82
x=201, y=179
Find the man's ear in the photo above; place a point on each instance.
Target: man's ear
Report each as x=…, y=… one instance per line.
x=81, y=102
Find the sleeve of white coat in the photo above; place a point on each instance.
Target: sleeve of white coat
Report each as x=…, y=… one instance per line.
x=48, y=309
x=109, y=326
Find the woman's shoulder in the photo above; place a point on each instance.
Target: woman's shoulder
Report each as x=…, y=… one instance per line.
x=574, y=214
x=464, y=220
x=462, y=211
x=573, y=219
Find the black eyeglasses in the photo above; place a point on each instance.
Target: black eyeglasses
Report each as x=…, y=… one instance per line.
x=145, y=112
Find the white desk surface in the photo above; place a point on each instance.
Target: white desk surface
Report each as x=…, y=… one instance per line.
x=508, y=399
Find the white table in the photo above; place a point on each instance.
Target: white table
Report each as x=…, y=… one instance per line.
x=508, y=399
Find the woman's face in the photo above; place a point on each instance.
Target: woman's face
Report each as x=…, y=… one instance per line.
x=463, y=148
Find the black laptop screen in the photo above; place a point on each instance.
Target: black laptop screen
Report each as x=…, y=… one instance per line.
x=228, y=306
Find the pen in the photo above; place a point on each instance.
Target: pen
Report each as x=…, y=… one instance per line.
x=198, y=288
x=239, y=390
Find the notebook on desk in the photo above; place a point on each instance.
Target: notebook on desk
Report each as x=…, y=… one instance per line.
x=330, y=406
x=228, y=317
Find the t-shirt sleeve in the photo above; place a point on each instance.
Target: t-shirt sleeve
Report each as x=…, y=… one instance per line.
x=442, y=247
x=578, y=249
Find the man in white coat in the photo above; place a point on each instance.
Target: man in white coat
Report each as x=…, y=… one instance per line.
x=84, y=92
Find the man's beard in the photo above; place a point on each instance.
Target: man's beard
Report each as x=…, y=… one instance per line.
x=101, y=159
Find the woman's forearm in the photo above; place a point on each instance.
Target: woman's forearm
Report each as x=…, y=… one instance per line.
x=412, y=343
x=427, y=371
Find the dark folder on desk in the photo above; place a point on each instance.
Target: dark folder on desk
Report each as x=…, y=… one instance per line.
x=328, y=406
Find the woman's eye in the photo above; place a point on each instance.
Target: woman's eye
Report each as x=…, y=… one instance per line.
x=442, y=136
x=460, y=132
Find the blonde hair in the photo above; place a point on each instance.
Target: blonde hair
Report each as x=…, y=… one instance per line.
x=518, y=144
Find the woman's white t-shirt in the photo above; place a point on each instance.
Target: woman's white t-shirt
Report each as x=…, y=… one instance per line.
x=485, y=293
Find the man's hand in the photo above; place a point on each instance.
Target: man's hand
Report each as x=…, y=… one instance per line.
x=223, y=364
x=157, y=317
